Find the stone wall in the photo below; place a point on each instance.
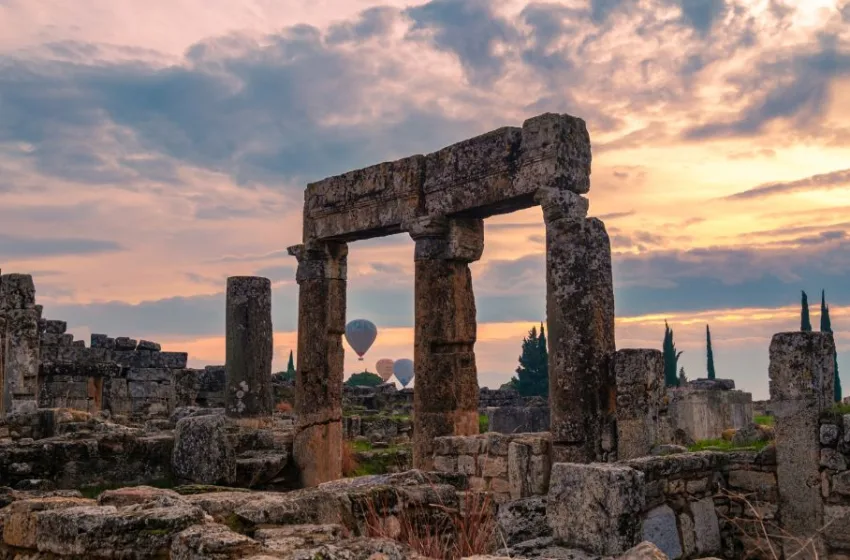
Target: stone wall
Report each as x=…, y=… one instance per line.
x=703, y=413
x=517, y=419
x=121, y=375
x=835, y=481
x=510, y=466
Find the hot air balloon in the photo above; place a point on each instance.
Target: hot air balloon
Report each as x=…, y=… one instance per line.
x=360, y=335
x=403, y=370
x=385, y=369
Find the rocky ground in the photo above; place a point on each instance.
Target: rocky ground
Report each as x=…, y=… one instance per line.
x=359, y=518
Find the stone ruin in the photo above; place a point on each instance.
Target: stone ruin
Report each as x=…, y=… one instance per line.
x=605, y=481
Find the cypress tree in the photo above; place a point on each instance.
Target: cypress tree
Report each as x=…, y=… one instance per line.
x=805, y=323
x=290, y=367
x=543, y=379
x=826, y=326
x=709, y=354
x=532, y=372
x=671, y=358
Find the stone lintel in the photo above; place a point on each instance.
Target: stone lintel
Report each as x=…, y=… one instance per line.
x=494, y=173
x=559, y=204
x=320, y=260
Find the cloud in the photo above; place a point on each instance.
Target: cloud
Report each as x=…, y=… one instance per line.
x=278, y=273
x=831, y=180
x=796, y=87
x=470, y=29
x=26, y=248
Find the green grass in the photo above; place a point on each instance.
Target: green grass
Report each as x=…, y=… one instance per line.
x=359, y=446
x=724, y=445
x=764, y=420
x=483, y=424
x=840, y=408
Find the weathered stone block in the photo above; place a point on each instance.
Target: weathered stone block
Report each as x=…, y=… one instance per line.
x=596, y=507
x=832, y=459
x=659, y=528
x=125, y=343
x=203, y=452
x=523, y=520
x=20, y=528
x=706, y=526
x=829, y=434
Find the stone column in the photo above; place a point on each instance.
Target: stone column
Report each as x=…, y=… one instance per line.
x=445, y=397
x=2, y=347
x=321, y=277
x=639, y=374
x=21, y=355
x=802, y=372
x=249, y=348
x=580, y=317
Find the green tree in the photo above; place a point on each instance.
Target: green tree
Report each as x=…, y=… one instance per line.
x=805, y=323
x=289, y=374
x=683, y=378
x=364, y=379
x=532, y=378
x=709, y=354
x=671, y=358
x=826, y=326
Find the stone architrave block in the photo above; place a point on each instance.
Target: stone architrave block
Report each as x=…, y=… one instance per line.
x=596, y=507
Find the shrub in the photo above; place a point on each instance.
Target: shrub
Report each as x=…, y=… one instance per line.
x=437, y=531
x=483, y=424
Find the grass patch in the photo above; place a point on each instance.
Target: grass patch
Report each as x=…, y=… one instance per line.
x=725, y=445
x=360, y=446
x=483, y=424
x=840, y=408
x=764, y=420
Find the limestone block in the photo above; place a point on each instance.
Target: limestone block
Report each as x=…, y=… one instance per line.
x=763, y=484
x=659, y=528
x=133, y=532
x=466, y=464
x=445, y=463
x=829, y=434
x=596, y=507
x=686, y=525
x=523, y=520
x=151, y=375
x=832, y=459
x=837, y=527
x=802, y=366
x=148, y=345
x=841, y=483
x=644, y=551
x=55, y=327
x=133, y=495
x=203, y=452
x=493, y=466
x=706, y=526
x=212, y=541
x=125, y=343
x=20, y=528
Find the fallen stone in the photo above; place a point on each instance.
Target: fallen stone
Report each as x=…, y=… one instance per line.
x=644, y=551
x=290, y=538
x=596, y=507
x=105, y=531
x=212, y=542
x=357, y=549
x=133, y=495
x=20, y=528
x=524, y=520
x=203, y=452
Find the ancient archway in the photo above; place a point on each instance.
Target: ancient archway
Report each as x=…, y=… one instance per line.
x=441, y=200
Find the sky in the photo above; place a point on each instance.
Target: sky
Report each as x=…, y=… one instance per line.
x=148, y=154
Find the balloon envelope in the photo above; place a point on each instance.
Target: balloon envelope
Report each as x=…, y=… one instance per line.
x=385, y=369
x=403, y=370
x=360, y=335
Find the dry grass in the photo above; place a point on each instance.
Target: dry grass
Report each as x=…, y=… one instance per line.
x=438, y=531
x=349, y=460
x=764, y=540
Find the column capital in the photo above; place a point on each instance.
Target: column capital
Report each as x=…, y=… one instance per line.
x=558, y=204
x=320, y=259
x=443, y=238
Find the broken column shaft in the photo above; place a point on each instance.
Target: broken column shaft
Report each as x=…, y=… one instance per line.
x=321, y=276
x=21, y=351
x=445, y=400
x=580, y=317
x=802, y=373
x=249, y=348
